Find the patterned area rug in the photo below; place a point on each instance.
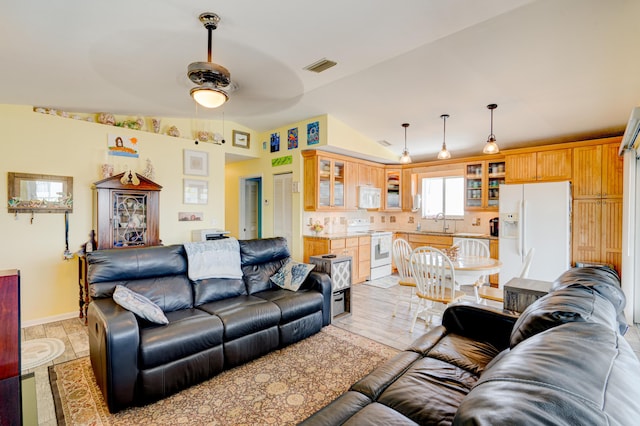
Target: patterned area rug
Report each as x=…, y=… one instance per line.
x=280, y=388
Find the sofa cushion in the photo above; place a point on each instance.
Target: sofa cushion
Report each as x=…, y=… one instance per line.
x=291, y=275
x=213, y=289
x=243, y=315
x=139, y=305
x=260, y=260
x=573, y=298
x=135, y=263
x=189, y=331
x=293, y=305
x=579, y=373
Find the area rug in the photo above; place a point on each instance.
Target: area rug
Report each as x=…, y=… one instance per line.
x=280, y=388
x=40, y=351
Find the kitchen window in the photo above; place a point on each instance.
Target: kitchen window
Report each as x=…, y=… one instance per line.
x=443, y=194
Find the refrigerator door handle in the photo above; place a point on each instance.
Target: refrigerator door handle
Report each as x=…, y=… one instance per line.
x=521, y=236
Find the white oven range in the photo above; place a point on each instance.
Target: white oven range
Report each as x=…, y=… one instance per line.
x=380, y=247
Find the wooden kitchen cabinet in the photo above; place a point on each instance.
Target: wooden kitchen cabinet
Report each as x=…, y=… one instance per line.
x=597, y=171
x=324, y=182
x=540, y=166
x=597, y=205
x=482, y=184
x=392, y=189
x=437, y=241
x=597, y=231
x=127, y=215
x=349, y=246
x=494, y=253
x=370, y=175
x=409, y=189
x=364, y=258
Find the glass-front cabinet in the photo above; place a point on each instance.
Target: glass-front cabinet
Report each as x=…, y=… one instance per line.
x=393, y=196
x=482, y=189
x=126, y=214
x=331, y=182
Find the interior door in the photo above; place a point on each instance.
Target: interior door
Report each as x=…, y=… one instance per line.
x=282, y=206
x=250, y=209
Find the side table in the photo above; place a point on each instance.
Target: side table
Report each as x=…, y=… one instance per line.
x=338, y=267
x=521, y=292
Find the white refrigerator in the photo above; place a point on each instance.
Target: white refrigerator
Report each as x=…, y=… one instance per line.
x=535, y=215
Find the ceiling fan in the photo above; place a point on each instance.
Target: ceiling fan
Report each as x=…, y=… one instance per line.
x=213, y=80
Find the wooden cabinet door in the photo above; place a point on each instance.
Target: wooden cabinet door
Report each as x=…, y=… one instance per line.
x=364, y=175
x=587, y=171
x=494, y=253
x=351, y=186
x=520, y=168
x=364, y=258
x=587, y=230
x=612, y=170
x=611, y=242
x=553, y=165
x=409, y=189
x=314, y=246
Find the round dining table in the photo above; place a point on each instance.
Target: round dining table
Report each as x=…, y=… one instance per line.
x=470, y=268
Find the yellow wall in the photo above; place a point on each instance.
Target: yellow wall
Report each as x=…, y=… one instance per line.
x=45, y=144
x=344, y=137
x=263, y=168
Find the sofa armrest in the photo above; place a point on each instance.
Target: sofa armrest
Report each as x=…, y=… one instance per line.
x=479, y=322
x=114, y=342
x=321, y=281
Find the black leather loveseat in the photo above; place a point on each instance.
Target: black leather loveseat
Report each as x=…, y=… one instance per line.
x=562, y=362
x=214, y=324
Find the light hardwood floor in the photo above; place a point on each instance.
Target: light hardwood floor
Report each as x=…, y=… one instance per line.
x=371, y=316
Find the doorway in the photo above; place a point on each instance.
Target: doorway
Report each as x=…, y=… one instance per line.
x=250, y=208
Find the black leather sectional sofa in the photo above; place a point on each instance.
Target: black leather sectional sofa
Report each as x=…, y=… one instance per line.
x=214, y=324
x=564, y=361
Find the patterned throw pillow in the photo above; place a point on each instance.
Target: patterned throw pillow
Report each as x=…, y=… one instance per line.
x=139, y=305
x=291, y=275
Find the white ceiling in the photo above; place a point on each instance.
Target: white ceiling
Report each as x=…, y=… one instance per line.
x=558, y=69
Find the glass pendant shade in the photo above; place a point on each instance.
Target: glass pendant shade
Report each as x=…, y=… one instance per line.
x=444, y=154
x=491, y=147
x=209, y=97
x=405, y=158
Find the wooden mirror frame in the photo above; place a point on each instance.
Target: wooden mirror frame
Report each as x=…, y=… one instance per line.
x=15, y=203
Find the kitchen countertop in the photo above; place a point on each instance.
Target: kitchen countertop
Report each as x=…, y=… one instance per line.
x=339, y=235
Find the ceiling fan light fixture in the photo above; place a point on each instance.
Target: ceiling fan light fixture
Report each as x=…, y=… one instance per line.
x=211, y=78
x=208, y=96
x=491, y=147
x=444, y=154
x=405, y=158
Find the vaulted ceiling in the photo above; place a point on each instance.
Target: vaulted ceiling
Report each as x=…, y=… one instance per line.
x=559, y=70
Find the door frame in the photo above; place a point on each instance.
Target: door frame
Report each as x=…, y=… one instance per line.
x=242, y=207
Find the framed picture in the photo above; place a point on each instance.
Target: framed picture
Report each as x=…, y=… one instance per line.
x=241, y=139
x=275, y=142
x=196, y=163
x=292, y=138
x=190, y=216
x=195, y=191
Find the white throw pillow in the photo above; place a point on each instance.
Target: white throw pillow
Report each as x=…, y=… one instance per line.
x=291, y=275
x=139, y=305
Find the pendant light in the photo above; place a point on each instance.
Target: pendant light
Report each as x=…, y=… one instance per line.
x=405, y=158
x=491, y=147
x=444, y=154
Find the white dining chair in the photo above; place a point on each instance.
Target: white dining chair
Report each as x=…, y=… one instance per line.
x=435, y=281
x=401, y=256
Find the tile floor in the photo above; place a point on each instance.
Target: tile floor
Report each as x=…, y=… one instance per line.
x=371, y=316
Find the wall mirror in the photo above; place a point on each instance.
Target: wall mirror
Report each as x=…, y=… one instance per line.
x=29, y=192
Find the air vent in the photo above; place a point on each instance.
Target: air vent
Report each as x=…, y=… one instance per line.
x=384, y=143
x=321, y=65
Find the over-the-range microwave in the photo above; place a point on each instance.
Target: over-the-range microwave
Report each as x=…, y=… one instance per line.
x=369, y=197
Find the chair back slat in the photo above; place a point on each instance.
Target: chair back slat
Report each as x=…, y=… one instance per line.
x=401, y=254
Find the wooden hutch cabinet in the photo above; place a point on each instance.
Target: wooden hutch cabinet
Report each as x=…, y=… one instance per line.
x=482, y=184
x=126, y=215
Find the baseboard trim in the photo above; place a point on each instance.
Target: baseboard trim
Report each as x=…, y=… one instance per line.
x=47, y=320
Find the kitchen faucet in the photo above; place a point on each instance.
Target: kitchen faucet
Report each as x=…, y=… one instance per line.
x=444, y=221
